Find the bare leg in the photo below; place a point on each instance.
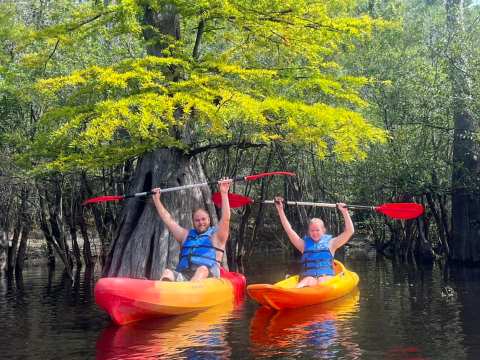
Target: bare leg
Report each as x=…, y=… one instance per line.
x=200, y=274
x=308, y=281
x=323, y=279
x=167, y=275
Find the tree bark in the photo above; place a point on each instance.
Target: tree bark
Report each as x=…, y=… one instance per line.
x=22, y=248
x=75, y=247
x=12, y=249
x=3, y=250
x=441, y=228
x=143, y=246
x=466, y=164
x=424, y=246
x=104, y=221
x=49, y=223
x=87, y=251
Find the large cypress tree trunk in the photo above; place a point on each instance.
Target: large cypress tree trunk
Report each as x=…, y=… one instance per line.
x=143, y=246
x=466, y=164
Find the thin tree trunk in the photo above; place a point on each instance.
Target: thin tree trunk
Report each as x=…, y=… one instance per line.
x=3, y=250
x=425, y=247
x=50, y=255
x=12, y=249
x=22, y=248
x=75, y=247
x=53, y=235
x=87, y=251
x=440, y=225
x=71, y=214
x=466, y=162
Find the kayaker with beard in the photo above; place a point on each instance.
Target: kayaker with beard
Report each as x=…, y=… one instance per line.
x=317, y=248
x=203, y=246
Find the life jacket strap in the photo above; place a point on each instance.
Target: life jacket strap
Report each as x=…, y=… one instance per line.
x=189, y=256
x=203, y=246
x=316, y=251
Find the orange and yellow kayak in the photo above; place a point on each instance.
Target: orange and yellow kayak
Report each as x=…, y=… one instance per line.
x=285, y=295
x=127, y=300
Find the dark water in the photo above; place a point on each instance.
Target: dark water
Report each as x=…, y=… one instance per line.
x=399, y=312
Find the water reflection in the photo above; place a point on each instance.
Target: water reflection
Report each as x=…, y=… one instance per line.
x=323, y=329
x=200, y=335
x=402, y=313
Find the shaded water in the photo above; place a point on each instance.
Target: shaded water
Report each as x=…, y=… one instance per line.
x=399, y=312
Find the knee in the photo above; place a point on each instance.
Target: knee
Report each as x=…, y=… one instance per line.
x=307, y=281
x=202, y=271
x=167, y=274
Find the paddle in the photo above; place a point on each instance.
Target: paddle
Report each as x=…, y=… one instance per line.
x=106, y=198
x=402, y=211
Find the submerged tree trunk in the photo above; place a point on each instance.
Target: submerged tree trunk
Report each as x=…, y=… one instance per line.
x=22, y=248
x=12, y=248
x=104, y=220
x=3, y=250
x=87, y=250
x=466, y=164
x=50, y=223
x=143, y=247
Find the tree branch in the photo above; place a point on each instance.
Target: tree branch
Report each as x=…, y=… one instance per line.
x=200, y=30
x=85, y=22
x=240, y=145
x=51, y=55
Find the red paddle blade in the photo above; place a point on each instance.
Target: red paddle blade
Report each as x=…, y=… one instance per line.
x=103, y=199
x=235, y=200
x=401, y=210
x=261, y=175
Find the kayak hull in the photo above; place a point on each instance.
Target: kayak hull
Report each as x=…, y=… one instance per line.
x=127, y=300
x=285, y=295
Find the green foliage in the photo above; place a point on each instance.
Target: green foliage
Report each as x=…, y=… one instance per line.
x=271, y=69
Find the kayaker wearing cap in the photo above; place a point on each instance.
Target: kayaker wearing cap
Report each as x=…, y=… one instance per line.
x=203, y=246
x=317, y=248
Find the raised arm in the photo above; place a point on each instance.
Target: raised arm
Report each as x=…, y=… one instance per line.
x=179, y=233
x=347, y=233
x=292, y=235
x=224, y=223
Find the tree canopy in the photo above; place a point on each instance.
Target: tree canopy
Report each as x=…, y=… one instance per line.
x=242, y=72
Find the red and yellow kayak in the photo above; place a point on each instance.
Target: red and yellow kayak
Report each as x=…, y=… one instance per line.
x=284, y=294
x=127, y=300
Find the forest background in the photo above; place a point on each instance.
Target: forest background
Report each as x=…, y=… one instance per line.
x=368, y=102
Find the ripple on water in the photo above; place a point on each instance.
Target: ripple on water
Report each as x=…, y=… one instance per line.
x=398, y=313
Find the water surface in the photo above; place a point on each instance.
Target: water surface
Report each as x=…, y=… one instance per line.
x=398, y=312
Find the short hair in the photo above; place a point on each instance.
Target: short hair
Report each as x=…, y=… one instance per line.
x=200, y=209
x=316, y=221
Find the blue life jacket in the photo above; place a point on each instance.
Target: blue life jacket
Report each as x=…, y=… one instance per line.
x=317, y=260
x=197, y=249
